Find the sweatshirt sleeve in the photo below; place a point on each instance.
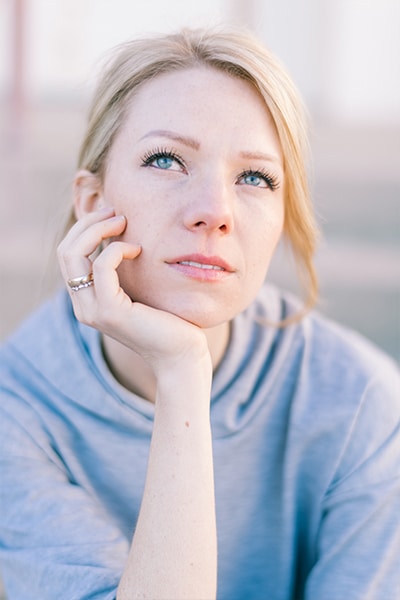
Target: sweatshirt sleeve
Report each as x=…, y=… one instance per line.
x=358, y=543
x=55, y=539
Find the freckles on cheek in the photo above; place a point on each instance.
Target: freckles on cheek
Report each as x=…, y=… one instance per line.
x=274, y=229
x=133, y=230
x=263, y=248
x=267, y=237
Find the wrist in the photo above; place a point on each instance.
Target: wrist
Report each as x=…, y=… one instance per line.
x=193, y=361
x=185, y=386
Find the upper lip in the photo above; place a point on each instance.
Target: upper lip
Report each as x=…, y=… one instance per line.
x=214, y=261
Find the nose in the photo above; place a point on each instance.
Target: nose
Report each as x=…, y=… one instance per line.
x=211, y=209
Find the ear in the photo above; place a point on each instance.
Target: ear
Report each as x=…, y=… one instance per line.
x=88, y=193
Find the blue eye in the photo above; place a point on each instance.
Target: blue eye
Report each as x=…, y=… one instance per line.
x=259, y=179
x=165, y=160
x=253, y=180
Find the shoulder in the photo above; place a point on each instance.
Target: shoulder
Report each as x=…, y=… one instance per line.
x=313, y=369
x=327, y=373
x=39, y=336
x=344, y=361
x=40, y=356
x=341, y=381
x=329, y=350
x=342, y=397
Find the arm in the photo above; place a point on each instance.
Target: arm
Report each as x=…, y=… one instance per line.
x=173, y=553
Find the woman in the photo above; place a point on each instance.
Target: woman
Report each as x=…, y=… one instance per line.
x=172, y=428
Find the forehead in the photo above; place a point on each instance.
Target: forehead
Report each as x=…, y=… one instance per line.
x=193, y=87
x=200, y=100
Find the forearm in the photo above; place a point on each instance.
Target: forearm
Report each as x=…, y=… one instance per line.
x=173, y=553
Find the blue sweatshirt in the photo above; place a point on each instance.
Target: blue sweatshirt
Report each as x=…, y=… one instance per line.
x=306, y=442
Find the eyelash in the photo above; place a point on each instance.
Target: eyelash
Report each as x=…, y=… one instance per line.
x=151, y=156
x=271, y=181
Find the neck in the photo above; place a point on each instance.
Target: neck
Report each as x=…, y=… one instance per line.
x=134, y=373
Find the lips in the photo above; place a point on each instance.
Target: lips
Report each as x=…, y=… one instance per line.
x=201, y=267
x=200, y=261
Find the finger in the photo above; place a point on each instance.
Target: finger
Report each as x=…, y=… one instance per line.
x=95, y=223
x=78, y=246
x=105, y=268
x=89, y=219
x=99, y=303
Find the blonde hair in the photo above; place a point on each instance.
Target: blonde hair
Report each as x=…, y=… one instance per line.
x=241, y=55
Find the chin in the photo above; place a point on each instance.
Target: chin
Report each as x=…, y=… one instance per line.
x=205, y=318
x=202, y=308
x=203, y=313
x=201, y=320
x=206, y=311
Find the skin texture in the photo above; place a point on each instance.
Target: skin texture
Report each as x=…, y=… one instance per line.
x=199, y=208
x=189, y=213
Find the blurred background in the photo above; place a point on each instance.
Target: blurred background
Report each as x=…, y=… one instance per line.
x=344, y=56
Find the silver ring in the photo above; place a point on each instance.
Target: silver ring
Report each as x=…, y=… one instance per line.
x=78, y=283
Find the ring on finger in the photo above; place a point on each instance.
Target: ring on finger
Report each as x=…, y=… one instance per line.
x=78, y=283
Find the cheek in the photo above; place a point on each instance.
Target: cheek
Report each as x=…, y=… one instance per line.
x=262, y=243
x=138, y=220
x=146, y=210
x=266, y=230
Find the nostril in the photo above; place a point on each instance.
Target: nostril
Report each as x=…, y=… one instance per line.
x=223, y=227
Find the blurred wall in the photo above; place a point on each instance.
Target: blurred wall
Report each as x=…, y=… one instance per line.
x=344, y=57
x=343, y=54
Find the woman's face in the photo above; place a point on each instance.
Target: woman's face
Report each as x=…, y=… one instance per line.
x=197, y=170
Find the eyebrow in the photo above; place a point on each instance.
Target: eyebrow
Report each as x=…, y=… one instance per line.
x=260, y=156
x=183, y=139
x=192, y=143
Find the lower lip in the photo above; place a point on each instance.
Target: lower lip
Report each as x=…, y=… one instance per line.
x=201, y=274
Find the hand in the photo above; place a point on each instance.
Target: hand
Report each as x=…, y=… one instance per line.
x=161, y=338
